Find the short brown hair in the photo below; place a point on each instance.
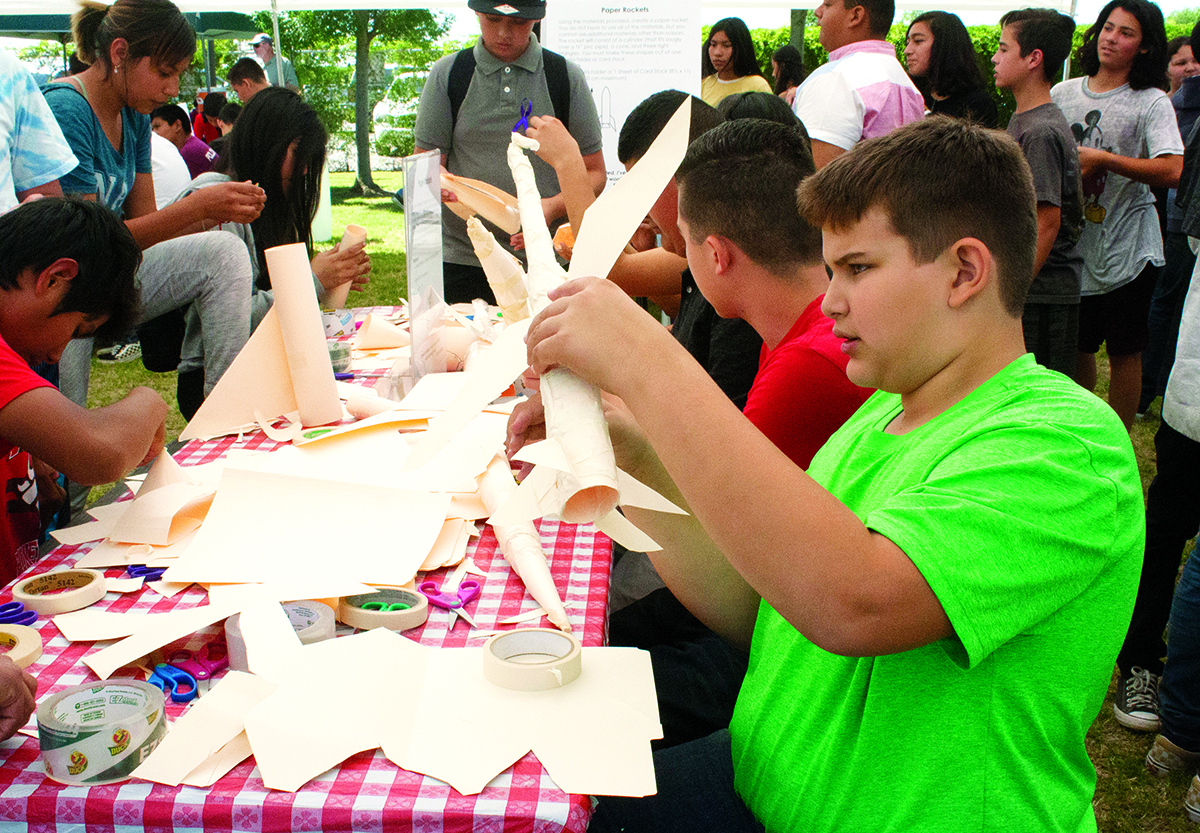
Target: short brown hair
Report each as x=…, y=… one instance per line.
x=939, y=180
x=154, y=29
x=739, y=180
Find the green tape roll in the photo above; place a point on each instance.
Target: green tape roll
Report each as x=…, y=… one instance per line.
x=99, y=734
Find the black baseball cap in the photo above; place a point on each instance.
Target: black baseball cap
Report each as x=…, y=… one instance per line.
x=522, y=9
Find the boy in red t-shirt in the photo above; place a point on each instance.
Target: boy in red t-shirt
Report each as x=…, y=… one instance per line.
x=66, y=271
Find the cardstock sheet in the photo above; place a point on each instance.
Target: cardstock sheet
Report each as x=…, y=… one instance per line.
x=154, y=631
x=205, y=728
x=110, y=553
x=258, y=379
x=487, y=380
x=611, y=757
x=344, y=692
x=164, y=471
x=82, y=533
x=611, y=220
x=163, y=515
x=264, y=526
x=218, y=765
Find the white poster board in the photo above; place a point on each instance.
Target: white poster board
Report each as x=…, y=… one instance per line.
x=627, y=51
x=423, y=256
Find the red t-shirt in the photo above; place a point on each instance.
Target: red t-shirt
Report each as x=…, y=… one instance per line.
x=801, y=394
x=19, y=522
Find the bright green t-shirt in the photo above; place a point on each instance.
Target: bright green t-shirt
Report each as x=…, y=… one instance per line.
x=1022, y=508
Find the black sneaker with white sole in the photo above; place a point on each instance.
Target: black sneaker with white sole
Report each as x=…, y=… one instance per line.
x=1135, y=704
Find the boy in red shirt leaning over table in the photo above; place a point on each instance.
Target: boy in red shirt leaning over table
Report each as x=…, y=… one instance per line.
x=66, y=271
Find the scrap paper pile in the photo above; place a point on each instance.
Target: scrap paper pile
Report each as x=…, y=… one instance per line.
x=260, y=528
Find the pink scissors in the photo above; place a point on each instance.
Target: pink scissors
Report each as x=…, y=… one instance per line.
x=453, y=602
x=201, y=664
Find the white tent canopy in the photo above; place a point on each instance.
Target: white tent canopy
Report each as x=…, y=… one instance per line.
x=248, y=6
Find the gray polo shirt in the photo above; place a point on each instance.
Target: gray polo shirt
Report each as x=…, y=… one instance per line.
x=478, y=144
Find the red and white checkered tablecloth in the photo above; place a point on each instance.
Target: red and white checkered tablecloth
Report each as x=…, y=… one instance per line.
x=367, y=792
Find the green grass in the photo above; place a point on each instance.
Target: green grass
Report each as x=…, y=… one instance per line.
x=1127, y=798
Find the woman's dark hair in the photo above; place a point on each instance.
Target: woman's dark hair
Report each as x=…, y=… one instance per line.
x=154, y=29
x=792, y=71
x=744, y=61
x=255, y=149
x=953, y=68
x=1150, y=65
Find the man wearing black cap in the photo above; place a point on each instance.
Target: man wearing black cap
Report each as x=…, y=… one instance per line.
x=264, y=48
x=469, y=106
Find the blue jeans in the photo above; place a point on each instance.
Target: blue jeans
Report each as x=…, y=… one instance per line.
x=1179, y=692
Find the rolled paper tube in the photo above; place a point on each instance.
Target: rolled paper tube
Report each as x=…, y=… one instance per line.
x=521, y=544
x=336, y=297
x=575, y=417
x=504, y=273
x=303, y=335
x=544, y=273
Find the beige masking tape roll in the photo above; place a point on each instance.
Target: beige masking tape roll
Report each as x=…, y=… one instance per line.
x=351, y=610
x=532, y=659
x=23, y=642
x=312, y=622
x=79, y=588
x=100, y=733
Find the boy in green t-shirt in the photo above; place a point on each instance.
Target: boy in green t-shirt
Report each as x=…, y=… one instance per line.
x=936, y=604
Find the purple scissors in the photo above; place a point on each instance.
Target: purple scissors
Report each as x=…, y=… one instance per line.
x=143, y=572
x=201, y=664
x=526, y=111
x=453, y=602
x=15, y=613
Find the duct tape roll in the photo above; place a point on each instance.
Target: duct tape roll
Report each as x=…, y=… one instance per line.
x=60, y=592
x=23, y=642
x=396, y=610
x=100, y=733
x=532, y=659
x=312, y=622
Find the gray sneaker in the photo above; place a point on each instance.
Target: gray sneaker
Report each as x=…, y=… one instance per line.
x=1136, y=702
x=1165, y=757
x=1191, y=804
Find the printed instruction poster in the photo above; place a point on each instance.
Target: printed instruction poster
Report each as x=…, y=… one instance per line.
x=627, y=51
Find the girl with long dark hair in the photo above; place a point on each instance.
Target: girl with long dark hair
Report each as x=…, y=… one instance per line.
x=728, y=63
x=941, y=61
x=279, y=142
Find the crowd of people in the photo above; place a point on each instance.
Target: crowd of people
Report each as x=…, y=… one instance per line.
x=916, y=545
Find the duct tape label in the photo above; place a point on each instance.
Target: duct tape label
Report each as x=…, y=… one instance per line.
x=532, y=659
x=99, y=734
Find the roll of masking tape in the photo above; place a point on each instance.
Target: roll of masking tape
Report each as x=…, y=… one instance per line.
x=23, y=642
x=60, y=592
x=532, y=659
x=312, y=622
x=99, y=734
x=396, y=610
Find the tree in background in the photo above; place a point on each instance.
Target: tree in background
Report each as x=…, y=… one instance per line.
x=320, y=44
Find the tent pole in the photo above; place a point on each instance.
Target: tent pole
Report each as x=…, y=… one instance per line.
x=279, y=47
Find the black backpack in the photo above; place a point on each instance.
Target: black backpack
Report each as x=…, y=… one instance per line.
x=557, y=82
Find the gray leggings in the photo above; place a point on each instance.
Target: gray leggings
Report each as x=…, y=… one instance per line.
x=210, y=271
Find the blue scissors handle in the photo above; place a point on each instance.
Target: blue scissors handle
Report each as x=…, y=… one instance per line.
x=15, y=613
x=526, y=111
x=468, y=590
x=144, y=572
x=178, y=684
